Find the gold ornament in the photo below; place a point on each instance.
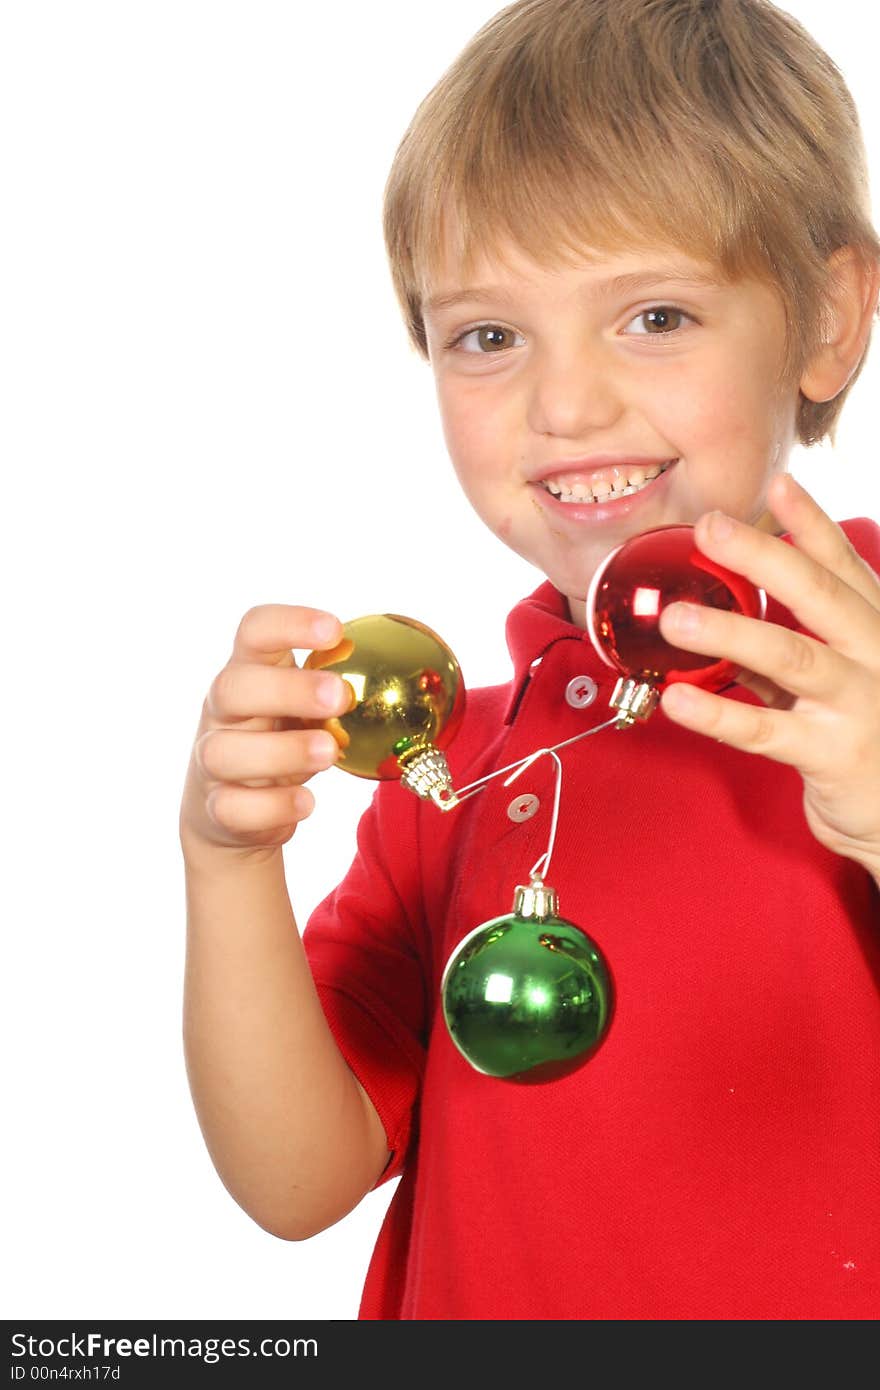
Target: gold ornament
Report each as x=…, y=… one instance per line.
x=407, y=701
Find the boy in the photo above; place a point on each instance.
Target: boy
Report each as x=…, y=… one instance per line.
x=631, y=237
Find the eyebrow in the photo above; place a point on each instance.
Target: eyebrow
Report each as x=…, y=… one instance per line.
x=617, y=284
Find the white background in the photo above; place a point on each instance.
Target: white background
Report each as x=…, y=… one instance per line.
x=208, y=402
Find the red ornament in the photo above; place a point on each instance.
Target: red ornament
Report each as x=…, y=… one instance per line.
x=629, y=591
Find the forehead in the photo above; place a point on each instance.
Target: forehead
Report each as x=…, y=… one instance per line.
x=462, y=257
x=484, y=271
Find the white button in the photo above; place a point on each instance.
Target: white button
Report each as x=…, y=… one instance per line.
x=581, y=691
x=523, y=807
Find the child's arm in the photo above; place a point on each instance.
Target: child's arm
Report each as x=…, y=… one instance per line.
x=821, y=698
x=289, y=1129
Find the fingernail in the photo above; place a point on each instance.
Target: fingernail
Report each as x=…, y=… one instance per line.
x=687, y=617
x=329, y=692
x=678, y=697
x=324, y=629
x=322, y=748
x=720, y=526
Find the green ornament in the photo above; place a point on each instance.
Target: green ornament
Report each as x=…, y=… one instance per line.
x=527, y=997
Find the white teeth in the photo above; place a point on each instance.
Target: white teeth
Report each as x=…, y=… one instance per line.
x=622, y=486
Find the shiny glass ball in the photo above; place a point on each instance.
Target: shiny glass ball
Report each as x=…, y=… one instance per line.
x=632, y=586
x=527, y=1000
x=407, y=693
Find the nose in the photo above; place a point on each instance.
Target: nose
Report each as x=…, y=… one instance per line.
x=574, y=391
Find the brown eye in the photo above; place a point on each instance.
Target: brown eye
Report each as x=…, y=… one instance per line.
x=488, y=338
x=663, y=318
x=492, y=338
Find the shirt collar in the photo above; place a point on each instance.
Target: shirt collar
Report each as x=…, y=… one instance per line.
x=535, y=625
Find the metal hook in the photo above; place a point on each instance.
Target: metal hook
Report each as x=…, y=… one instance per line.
x=472, y=788
x=541, y=866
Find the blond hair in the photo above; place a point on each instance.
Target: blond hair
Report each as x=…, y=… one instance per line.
x=716, y=126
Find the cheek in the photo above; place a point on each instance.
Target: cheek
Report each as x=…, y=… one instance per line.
x=726, y=407
x=474, y=424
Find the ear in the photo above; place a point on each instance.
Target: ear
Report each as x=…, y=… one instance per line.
x=853, y=290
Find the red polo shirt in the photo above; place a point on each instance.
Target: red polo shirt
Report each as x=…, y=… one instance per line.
x=719, y=1157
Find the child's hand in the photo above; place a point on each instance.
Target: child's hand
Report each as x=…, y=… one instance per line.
x=244, y=788
x=822, y=697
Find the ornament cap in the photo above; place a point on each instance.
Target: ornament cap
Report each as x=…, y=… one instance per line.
x=426, y=772
x=635, y=699
x=535, y=902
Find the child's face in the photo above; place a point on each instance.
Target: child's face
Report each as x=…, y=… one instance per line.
x=562, y=375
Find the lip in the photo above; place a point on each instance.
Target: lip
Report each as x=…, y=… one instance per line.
x=610, y=509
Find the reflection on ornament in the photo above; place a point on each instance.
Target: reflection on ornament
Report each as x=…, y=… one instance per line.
x=407, y=702
x=527, y=997
x=629, y=591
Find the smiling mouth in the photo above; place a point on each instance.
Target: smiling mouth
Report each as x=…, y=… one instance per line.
x=628, y=482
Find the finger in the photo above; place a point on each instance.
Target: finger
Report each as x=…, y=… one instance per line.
x=268, y=633
x=766, y=690
x=242, y=691
x=258, y=810
x=815, y=534
x=774, y=733
x=234, y=755
x=820, y=600
x=795, y=662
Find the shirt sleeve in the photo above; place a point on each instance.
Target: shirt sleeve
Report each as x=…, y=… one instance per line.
x=365, y=945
